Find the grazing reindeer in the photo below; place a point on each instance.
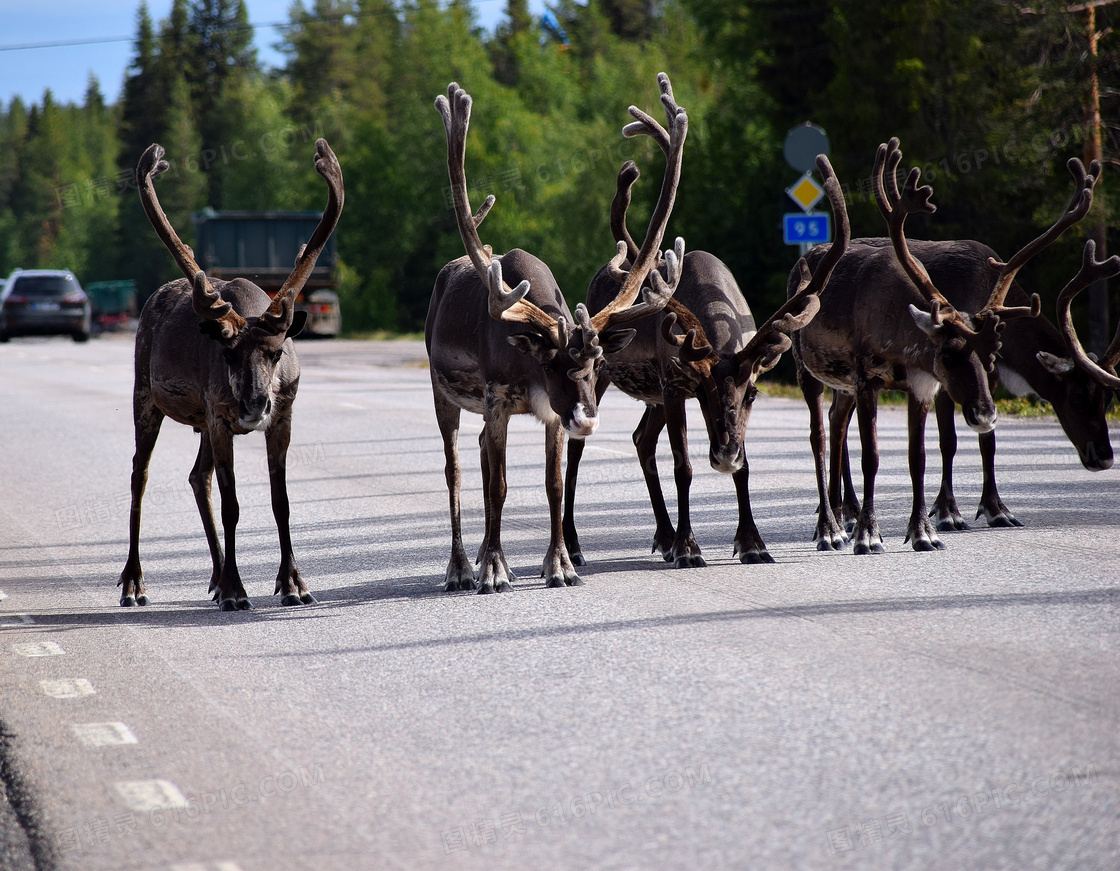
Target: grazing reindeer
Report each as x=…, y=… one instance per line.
x=497, y=352
x=233, y=373
x=1034, y=358
x=885, y=325
x=1102, y=371
x=717, y=361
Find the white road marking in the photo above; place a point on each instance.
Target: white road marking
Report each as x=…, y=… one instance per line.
x=17, y=620
x=146, y=795
x=38, y=648
x=70, y=688
x=103, y=734
x=207, y=866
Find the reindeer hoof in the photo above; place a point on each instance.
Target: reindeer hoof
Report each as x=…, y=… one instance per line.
x=291, y=599
x=755, y=557
x=308, y=599
x=503, y=587
x=227, y=605
x=689, y=561
x=865, y=548
x=244, y=605
x=456, y=584
x=574, y=581
x=142, y=599
x=485, y=589
x=577, y=559
x=555, y=582
x=127, y=601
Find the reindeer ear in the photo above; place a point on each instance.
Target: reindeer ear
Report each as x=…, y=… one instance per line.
x=1055, y=365
x=531, y=343
x=925, y=321
x=299, y=321
x=614, y=341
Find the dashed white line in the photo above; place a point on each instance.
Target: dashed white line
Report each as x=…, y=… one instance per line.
x=69, y=688
x=207, y=866
x=145, y=795
x=103, y=734
x=38, y=648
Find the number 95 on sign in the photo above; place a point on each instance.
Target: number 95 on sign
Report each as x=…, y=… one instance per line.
x=799, y=228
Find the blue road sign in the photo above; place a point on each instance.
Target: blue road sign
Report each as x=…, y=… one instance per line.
x=799, y=228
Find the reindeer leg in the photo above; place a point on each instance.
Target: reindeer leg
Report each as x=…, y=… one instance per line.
x=866, y=537
x=645, y=440
x=686, y=552
x=828, y=534
x=460, y=575
x=992, y=508
x=919, y=532
x=289, y=583
x=575, y=454
x=945, y=505
x=842, y=491
x=231, y=595
x=749, y=546
x=557, y=569
x=200, y=483
x=494, y=574
x=148, y=420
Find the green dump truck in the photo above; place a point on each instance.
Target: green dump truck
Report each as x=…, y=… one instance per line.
x=262, y=247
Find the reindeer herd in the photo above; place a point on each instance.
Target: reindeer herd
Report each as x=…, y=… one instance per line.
x=861, y=316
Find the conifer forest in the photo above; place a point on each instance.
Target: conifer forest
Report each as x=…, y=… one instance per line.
x=989, y=97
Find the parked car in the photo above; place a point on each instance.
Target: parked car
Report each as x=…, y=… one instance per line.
x=44, y=302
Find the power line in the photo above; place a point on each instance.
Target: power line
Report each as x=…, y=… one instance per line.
x=106, y=40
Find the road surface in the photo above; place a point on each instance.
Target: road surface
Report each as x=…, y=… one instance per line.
x=952, y=710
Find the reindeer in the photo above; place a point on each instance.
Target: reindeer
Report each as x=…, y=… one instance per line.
x=1034, y=358
x=1102, y=371
x=885, y=325
x=231, y=373
x=717, y=360
x=498, y=352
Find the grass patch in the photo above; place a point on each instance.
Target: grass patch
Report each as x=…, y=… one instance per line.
x=382, y=336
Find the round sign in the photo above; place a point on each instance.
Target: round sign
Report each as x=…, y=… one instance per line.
x=803, y=143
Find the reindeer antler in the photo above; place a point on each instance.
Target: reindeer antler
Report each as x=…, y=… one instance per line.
x=278, y=318
x=694, y=345
x=772, y=339
x=1078, y=207
x=646, y=260
x=208, y=304
x=505, y=303
x=1092, y=270
x=895, y=207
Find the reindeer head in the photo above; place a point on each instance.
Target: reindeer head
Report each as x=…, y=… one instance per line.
x=964, y=346
x=569, y=352
x=1092, y=382
x=252, y=346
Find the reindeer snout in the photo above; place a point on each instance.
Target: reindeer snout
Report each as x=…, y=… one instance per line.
x=584, y=422
x=253, y=410
x=728, y=459
x=981, y=418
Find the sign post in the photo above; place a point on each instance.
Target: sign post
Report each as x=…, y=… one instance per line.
x=800, y=149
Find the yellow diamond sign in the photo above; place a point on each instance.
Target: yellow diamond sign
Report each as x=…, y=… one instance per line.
x=806, y=192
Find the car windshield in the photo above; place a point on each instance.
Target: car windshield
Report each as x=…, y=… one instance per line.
x=43, y=286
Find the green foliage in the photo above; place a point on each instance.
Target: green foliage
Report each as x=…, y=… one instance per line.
x=988, y=100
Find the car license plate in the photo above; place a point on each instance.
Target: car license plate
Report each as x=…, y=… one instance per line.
x=45, y=306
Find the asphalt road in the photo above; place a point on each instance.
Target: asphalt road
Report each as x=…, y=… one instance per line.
x=952, y=710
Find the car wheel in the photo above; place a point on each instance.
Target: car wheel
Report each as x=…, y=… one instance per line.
x=81, y=336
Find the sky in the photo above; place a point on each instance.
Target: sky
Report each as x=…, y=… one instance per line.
x=65, y=69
